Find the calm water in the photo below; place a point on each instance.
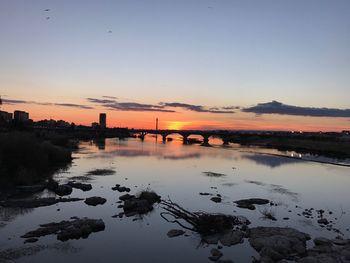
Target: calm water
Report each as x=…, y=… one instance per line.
x=176, y=171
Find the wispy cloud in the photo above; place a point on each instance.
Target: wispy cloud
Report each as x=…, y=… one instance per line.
x=72, y=105
x=110, y=97
x=196, y=108
x=133, y=106
x=161, y=107
x=275, y=107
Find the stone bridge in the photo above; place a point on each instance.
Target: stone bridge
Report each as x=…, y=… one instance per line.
x=224, y=135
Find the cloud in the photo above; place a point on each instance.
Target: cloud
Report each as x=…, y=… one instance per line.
x=110, y=97
x=100, y=101
x=161, y=107
x=12, y=102
x=196, y=108
x=275, y=107
x=133, y=106
x=72, y=105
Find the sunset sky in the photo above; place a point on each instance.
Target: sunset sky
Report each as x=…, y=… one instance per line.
x=205, y=64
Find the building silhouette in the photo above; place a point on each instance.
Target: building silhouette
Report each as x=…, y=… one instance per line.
x=103, y=120
x=20, y=116
x=5, y=117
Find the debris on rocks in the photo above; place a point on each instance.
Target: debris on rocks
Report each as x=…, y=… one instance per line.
x=95, y=200
x=65, y=230
x=250, y=203
x=203, y=223
x=140, y=205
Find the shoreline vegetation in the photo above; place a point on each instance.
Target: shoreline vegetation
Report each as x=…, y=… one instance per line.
x=28, y=159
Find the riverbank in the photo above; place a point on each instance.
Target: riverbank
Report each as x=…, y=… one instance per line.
x=328, y=147
x=26, y=159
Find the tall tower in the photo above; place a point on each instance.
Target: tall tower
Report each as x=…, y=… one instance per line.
x=103, y=120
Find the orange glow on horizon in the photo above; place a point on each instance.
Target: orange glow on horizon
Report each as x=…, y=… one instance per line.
x=182, y=120
x=176, y=125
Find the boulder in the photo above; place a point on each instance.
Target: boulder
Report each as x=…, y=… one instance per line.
x=81, y=186
x=95, y=200
x=65, y=230
x=215, y=254
x=63, y=189
x=250, y=203
x=126, y=197
x=275, y=243
x=216, y=199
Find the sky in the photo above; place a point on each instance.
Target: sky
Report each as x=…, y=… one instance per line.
x=204, y=64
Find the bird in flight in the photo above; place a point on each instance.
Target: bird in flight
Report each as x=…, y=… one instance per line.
x=47, y=18
x=47, y=10
x=110, y=31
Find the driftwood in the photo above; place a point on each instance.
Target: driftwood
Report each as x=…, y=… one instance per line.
x=200, y=222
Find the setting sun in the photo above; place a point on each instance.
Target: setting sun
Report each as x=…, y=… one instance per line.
x=176, y=125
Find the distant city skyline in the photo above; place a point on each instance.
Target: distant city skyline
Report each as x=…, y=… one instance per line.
x=270, y=65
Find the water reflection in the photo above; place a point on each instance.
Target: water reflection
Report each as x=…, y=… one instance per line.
x=176, y=171
x=269, y=160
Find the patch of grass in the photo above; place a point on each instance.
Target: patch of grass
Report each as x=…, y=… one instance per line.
x=101, y=172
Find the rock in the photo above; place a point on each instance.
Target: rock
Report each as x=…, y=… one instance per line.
x=275, y=243
x=231, y=238
x=321, y=241
x=136, y=206
x=37, y=202
x=151, y=197
x=340, y=242
x=52, y=185
x=205, y=194
x=81, y=186
x=63, y=189
x=215, y=254
x=95, y=200
x=65, y=230
x=126, y=197
x=140, y=205
x=323, y=221
x=249, y=203
x=175, y=233
x=121, y=188
x=216, y=199
x=31, y=240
